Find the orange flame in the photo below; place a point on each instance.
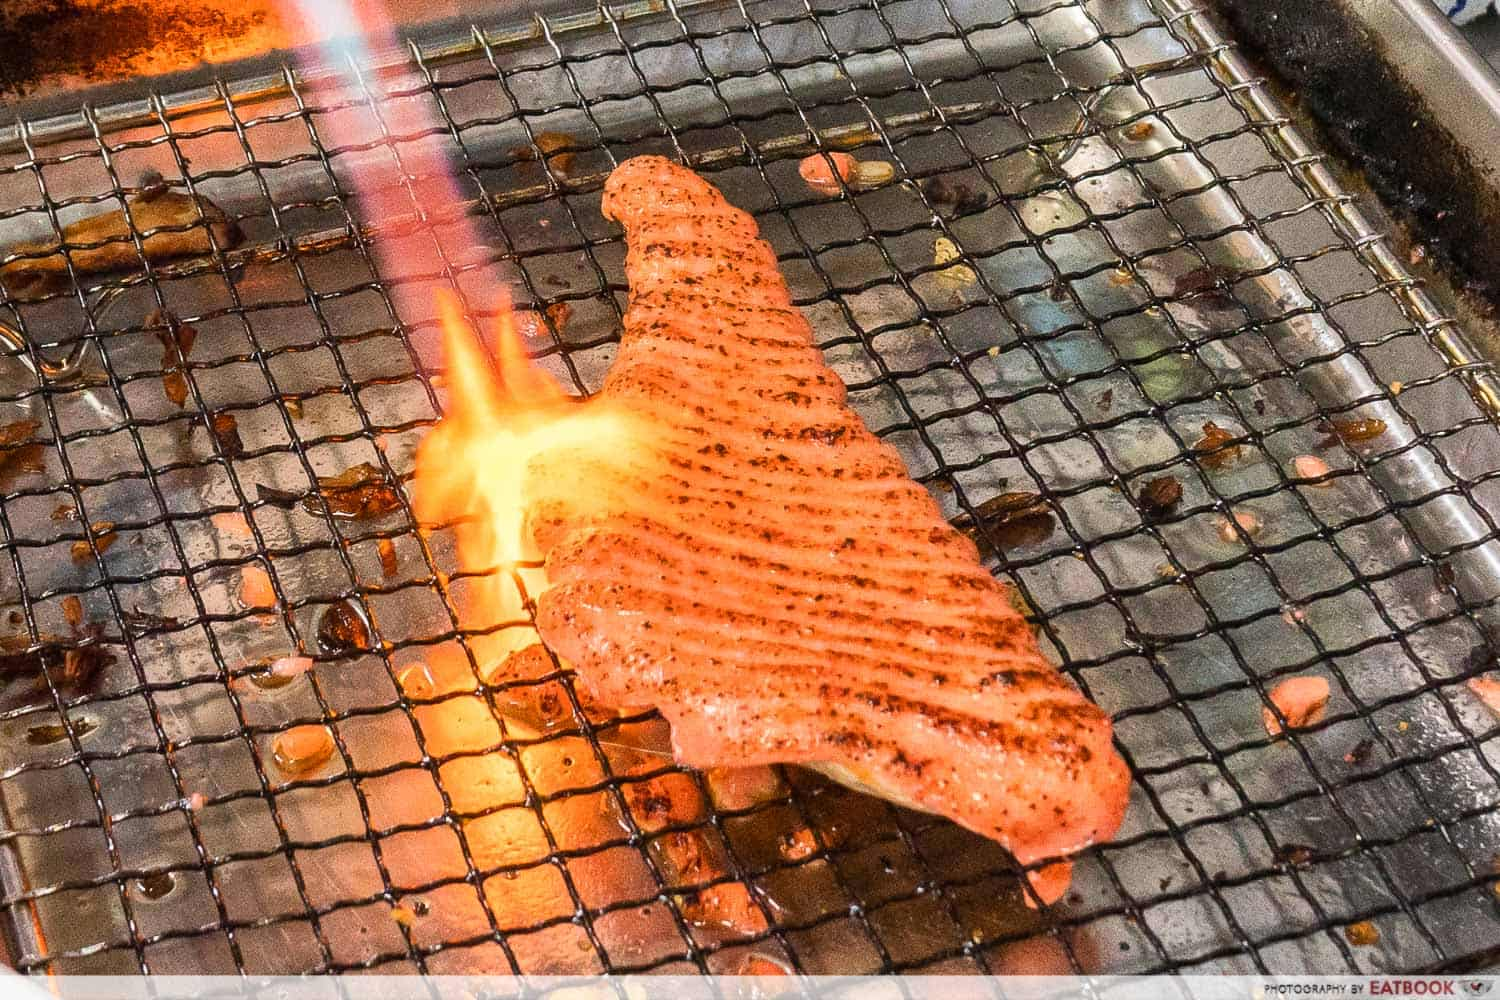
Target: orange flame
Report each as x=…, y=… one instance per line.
x=478, y=469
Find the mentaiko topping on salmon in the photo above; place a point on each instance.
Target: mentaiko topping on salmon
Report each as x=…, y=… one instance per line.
x=774, y=582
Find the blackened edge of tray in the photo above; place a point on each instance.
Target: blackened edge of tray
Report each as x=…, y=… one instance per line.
x=1358, y=86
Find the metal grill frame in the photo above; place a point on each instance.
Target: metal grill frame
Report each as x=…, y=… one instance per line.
x=1234, y=84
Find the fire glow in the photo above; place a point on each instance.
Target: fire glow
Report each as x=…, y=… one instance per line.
x=503, y=411
x=476, y=469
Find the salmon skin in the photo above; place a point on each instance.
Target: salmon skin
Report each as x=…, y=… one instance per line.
x=775, y=583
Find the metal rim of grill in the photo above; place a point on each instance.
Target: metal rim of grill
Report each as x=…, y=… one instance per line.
x=927, y=883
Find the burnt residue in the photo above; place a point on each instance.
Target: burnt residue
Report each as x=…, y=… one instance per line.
x=1419, y=170
x=101, y=40
x=342, y=629
x=1010, y=520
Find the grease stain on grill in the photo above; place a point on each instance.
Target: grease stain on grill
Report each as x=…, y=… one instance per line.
x=105, y=536
x=18, y=453
x=55, y=732
x=1009, y=520
x=1295, y=855
x=386, y=549
x=303, y=749
x=1351, y=432
x=226, y=434
x=268, y=679
x=1361, y=752
x=176, y=343
x=79, y=664
x=558, y=149
x=1208, y=281
x=958, y=197
x=1159, y=497
x=155, y=886
x=1213, y=449
x=342, y=629
x=360, y=491
x=138, y=621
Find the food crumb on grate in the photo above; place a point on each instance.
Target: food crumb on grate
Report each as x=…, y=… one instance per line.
x=1246, y=521
x=403, y=916
x=1292, y=854
x=1362, y=934
x=822, y=172
x=302, y=749
x=18, y=453
x=1487, y=690
x=756, y=964
x=554, y=148
x=1311, y=467
x=291, y=666
x=359, y=491
x=798, y=844
x=73, y=611
x=944, y=253
x=1300, y=700
x=255, y=588
x=386, y=549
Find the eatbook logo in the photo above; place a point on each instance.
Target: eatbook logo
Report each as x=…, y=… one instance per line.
x=1478, y=987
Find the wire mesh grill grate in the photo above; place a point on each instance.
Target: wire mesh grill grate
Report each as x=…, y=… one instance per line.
x=1142, y=245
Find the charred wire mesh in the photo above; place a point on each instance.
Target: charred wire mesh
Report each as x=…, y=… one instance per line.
x=1133, y=250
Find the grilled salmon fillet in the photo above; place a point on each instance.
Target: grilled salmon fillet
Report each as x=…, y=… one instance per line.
x=772, y=579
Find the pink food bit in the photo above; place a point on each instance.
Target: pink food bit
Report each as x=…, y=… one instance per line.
x=1311, y=467
x=1301, y=700
x=196, y=802
x=291, y=666
x=758, y=964
x=728, y=906
x=1247, y=521
x=231, y=522
x=255, y=588
x=1487, y=690
x=736, y=788
x=818, y=171
x=1049, y=883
